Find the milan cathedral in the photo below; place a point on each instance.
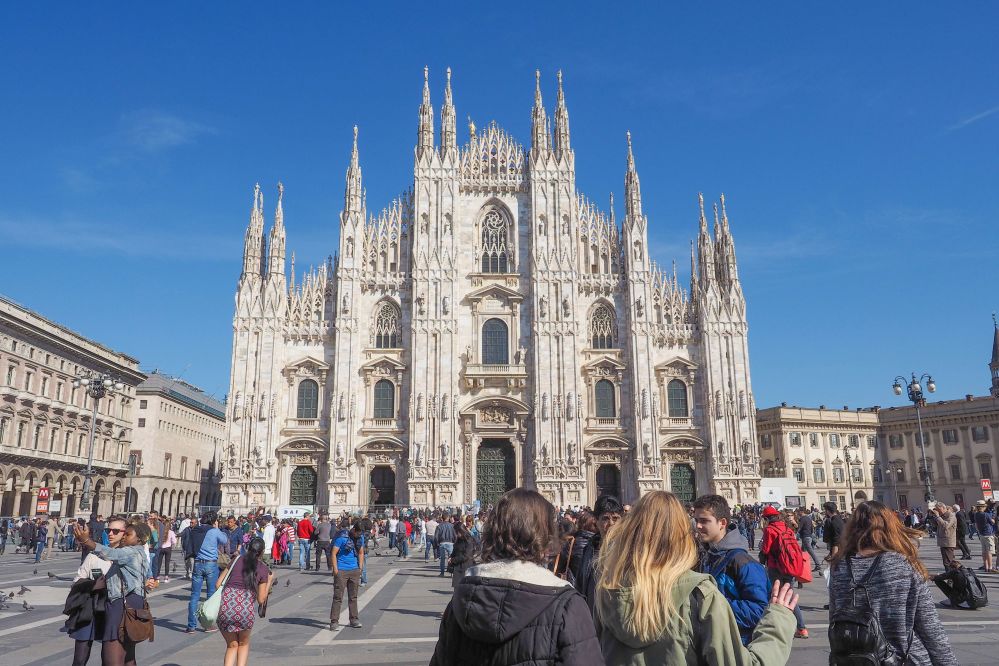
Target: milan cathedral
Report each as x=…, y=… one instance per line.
x=491, y=328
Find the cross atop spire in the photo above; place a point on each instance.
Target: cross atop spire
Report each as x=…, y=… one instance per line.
x=632, y=188
x=562, y=146
x=425, y=132
x=448, y=120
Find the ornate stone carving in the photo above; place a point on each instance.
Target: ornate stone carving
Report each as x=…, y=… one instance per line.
x=496, y=415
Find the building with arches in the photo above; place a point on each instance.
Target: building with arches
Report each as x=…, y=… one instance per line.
x=490, y=328
x=45, y=421
x=179, y=438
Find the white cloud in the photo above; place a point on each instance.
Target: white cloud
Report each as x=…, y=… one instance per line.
x=151, y=131
x=971, y=120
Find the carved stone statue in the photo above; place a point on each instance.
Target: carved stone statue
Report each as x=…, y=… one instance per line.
x=468, y=353
x=446, y=305
x=345, y=304
x=342, y=407
x=545, y=413
x=419, y=407
x=570, y=407
x=445, y=451
x=647, y=453
x=419, y=453
x=339, y=453
x=421, y=304
x=544, y=453
x=571, y=453
x=566, y=308
x=645, y=403
x=445, y=412
x=543, y=307
x=350, y=246
x=640, y=306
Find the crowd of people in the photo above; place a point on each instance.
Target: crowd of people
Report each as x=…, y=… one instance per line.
x=660, y=582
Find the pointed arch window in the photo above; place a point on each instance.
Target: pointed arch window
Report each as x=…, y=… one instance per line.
x=603, y=330
x=384, y=399
x=387, y=328
x=603, y=392
x=495, y=243
x=308, y=399
x=676, y=395
x=495, y=342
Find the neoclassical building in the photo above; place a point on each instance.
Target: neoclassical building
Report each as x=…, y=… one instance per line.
x=491, y=328
x=45, y=421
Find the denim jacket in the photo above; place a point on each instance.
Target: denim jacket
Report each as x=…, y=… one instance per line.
x=134, y=566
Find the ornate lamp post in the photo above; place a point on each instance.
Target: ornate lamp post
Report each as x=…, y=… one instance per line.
x=893, y=473
x=849, y=475
x=97, y=385
x=915, y=391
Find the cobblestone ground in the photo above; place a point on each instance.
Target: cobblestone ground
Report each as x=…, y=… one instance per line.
x=400, y=610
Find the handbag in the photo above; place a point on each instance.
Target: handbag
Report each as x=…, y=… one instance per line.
x=805, y=575
x=208, y=610
x=136, y=623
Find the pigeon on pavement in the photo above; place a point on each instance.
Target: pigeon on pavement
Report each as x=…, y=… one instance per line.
x=35, y=572
x=51, y=575
x=23, y=590
x=24, y=604
x=287, y=583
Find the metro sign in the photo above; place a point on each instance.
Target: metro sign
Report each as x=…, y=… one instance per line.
x=43, y=500
x=986, y=485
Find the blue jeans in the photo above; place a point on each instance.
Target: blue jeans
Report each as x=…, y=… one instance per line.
x=39, y=547
x=445, y=549
x=202, y=571
x=430, y=547
x=364, y=571
x=154, y=562
x=70, y=542
x=304, y=548
x=391, y=540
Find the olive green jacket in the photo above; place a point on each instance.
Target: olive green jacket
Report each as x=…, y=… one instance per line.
x=702, y=630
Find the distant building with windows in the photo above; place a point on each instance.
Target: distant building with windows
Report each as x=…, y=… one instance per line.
x=491, y=328
x=178, y=441
x=961, y=440
x=45, y=421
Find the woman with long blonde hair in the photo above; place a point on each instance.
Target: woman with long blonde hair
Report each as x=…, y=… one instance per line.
x=877, y=553
x=652, y=608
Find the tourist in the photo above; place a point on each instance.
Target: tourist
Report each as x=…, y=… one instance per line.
x=165, y=551
x=608, y=512
x=323, y=536
x=806, y=532
x=249, y=582
x=651, y=608
x=402, y=529
x=269, y=534
x=126, y=588
x=586, y=529
x=985, y=524
x=879, y=551
x=204, y=543
x=347, y=562
x=510, y=609
x=725, y=556
x=430, y=527
x=781, y=554
x=961, y=586
x=41, y=536
x=304, y=530
x=962, y=531
x=463, y=555
x=946, y=531
x=832, y=529
x=92, y=568
x=444, y=537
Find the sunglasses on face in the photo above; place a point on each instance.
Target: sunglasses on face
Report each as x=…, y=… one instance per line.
x=114, y=530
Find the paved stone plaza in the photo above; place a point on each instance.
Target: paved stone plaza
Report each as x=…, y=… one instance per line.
x=400, y=609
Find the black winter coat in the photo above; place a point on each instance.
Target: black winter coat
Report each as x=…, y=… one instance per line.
x=582, y=540
x=502, y=622
x=81, y=604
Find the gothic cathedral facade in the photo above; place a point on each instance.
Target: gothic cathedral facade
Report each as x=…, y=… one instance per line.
x=492, y=328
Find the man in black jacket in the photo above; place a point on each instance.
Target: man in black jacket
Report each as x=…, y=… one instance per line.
x=962, y=532
x=832, y=529
x=608, y=511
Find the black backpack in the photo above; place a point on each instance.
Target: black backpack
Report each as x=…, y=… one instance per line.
x=855, y=634
x=978, y=594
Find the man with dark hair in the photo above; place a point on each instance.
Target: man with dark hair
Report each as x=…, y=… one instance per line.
x=724, y=555
x=956, y=584
x=608, y=511
x=806, y=531
x=832, y=529
x=203, y=543
x=444, y=537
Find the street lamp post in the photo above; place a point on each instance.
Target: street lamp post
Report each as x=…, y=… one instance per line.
x=97, y=385
x=893, y=473
x=849, y=476
x=915, y=391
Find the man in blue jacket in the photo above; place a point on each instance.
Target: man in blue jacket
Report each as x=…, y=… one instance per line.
x=724, y=555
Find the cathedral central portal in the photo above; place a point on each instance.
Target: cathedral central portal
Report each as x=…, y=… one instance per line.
x=494, y=470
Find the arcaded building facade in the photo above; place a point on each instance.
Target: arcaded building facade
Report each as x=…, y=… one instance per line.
x=491, y=328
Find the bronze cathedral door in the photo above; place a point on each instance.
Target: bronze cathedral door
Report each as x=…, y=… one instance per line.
x=494, y=470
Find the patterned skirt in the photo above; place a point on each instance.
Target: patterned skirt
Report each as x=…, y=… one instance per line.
x=237, y=611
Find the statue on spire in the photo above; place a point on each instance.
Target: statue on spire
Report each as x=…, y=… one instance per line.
x=562, y=146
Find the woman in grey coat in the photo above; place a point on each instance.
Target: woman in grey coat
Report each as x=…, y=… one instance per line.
x=899, y=594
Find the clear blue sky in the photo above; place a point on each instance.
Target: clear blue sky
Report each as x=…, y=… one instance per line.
x=856, y=146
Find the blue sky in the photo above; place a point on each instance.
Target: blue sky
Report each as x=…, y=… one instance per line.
x=856, y=147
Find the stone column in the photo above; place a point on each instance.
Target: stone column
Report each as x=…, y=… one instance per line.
x=34, y=502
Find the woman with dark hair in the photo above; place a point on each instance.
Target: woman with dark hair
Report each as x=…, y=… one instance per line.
x=878, y=550
x=126, y=586
x=249, y=581
x=463, y=555
x=586, y=529
x=511, y=609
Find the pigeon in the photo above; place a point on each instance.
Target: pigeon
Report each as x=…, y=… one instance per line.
x=35, y=572
x=25, y=606
x=23, y=590
x=287, y=583
x=51, y=575
x=173, y=567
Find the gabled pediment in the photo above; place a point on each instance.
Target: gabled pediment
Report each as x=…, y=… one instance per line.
x=307, y=362
x=605, y=361
x=496, y=293
x=677, y=366
x=383, y=362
